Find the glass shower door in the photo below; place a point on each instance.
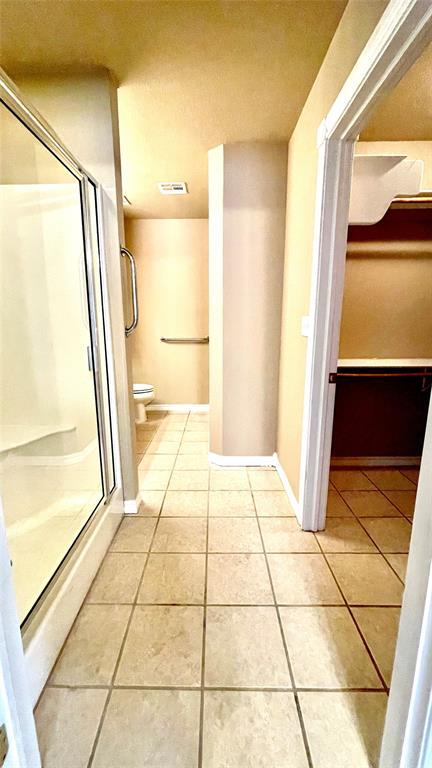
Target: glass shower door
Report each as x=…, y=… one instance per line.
x=52, y=453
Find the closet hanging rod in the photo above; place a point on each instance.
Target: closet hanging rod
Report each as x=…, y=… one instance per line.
x=186, y=340
x=401, y=375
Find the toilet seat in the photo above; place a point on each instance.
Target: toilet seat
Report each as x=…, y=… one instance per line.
x=142, y=389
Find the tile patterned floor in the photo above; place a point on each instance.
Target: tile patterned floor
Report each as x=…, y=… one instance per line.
x=217, y=634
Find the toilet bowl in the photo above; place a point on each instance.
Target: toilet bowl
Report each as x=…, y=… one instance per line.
x=143, y=395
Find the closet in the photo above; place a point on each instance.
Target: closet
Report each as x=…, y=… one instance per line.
x=384, y=373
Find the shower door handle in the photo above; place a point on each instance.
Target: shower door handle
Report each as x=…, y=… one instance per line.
x=130, y=328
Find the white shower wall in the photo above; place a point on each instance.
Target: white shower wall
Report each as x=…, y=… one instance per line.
x=44, y=375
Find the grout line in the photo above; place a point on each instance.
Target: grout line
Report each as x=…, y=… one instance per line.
x=348, y=606
x=123, y=643
x=197, y=688
x=383, y=554
x=285, y=646
x=258, y=605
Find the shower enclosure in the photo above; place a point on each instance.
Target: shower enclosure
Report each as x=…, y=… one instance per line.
x=56, y=436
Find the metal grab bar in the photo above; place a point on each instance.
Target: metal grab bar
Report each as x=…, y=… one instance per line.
x=130, y=328
x=192, y=340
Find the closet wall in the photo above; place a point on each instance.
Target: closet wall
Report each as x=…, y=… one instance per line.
x=386, y=311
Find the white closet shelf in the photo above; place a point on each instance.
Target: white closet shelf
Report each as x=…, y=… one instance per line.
x=385, y=362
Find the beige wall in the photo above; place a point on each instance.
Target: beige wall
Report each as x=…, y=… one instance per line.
x=356, y=26
x=247, y=183
x=172, y=265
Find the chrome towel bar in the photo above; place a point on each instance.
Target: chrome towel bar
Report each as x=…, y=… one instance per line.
x=192, y=340
x=130, y=328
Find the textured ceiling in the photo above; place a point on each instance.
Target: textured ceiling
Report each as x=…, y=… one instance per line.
x=191, y=75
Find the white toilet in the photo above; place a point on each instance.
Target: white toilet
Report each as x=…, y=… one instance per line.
x=143, y=395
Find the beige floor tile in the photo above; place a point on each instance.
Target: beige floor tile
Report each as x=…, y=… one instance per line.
x=171, y=578
x=168, y=436
x=186, y=461
x=150, y=729
x=342, y=534
x=163, y=647
x=399, y=564
x=285, y=535
x=235, y=534
x=156, y=461
x=118, y=578
x=151, y=502
x=142, y=446
x=389, y=480
x=344, y=729
x=231, y=504
x=379, y=627
x=326, y=650
x=229, y=480
x=303, y=580
x=196, y=436
x=192, y=480
x=238, y=580
x=273, y=504
x=391, y=535
x=404, y=500
x=370, y=504
x=412, y=474
x=61, y=714
x=148, y=426
x=336, y=506
x=197, y=426
x=195, y=416
x=185, y=504
x=196, y=449
x=90, y=653
x=244, y=649
x=252, y=729
x=153, y=479
x=134, y=535
x=366, y=579
x=164, y=446
x=180, y=535
x=156, y=416
x=264, y=480
x=351, y=480
x=176, y=418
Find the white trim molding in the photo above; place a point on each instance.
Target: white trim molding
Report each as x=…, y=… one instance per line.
x=47, y=631
x=179, y=407
x=241, y=461
x=401, y=35
x=131, y=506
x=287, y=487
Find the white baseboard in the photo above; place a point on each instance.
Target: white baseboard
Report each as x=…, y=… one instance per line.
x=375, y=461
x=241, y=461
x=131, y=506
x=179, y=407
x=287, y=486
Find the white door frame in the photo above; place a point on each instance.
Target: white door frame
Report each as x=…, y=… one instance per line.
x=15, y=702
x=401, y=35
